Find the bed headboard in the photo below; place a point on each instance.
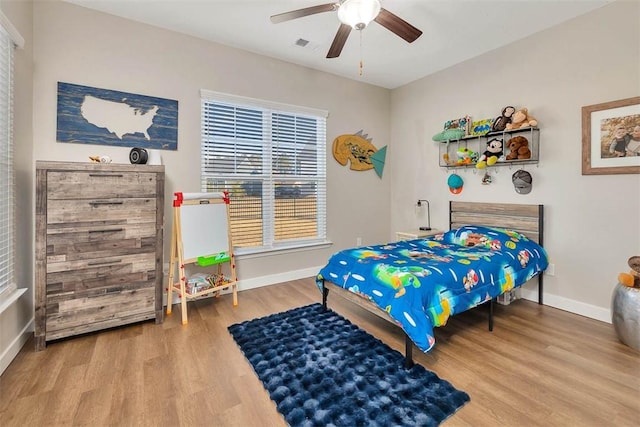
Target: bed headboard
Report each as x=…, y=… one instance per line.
x=525, y=219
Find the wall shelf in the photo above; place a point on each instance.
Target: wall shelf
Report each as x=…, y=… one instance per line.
x=448, y=157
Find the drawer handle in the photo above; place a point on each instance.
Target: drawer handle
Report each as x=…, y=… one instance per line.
x=106, y=175
x=104, y=262
x=112, y=230
x=100, y=203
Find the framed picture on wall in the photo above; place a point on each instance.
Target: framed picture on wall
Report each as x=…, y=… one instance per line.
x=611, y=137
x=89, y=115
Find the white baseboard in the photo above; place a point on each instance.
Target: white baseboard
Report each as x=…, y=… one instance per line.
x=13, y=349
x=273, y=279
x=572, y=306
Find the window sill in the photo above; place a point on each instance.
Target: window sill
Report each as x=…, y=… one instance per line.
x=10, y=298
x=247, y=253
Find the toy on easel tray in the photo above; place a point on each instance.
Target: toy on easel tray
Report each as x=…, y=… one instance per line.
x=200, y=282
x=205, y=261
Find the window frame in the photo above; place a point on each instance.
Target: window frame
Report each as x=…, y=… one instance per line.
x=270, y=110
x=10, y=40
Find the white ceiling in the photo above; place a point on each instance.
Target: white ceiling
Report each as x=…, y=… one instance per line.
x=453, y=30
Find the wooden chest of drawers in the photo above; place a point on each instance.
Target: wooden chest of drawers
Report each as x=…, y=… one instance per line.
x=98, y=247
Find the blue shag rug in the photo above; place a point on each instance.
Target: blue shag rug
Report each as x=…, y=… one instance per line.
x=321, y=370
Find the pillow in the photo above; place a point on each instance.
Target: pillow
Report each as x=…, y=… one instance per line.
x=480, y=236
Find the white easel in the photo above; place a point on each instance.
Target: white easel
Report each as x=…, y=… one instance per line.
x=200, y=235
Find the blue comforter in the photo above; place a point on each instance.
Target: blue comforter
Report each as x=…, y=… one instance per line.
x=421, y=283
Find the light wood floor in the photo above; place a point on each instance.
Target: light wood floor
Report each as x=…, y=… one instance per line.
x=539, y=367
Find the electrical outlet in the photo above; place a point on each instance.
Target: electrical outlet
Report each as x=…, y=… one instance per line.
x=551, y=270
x=358, y=241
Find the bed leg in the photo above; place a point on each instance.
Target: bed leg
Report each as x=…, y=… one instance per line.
x=325, y=293
x=491, y=314
x=408, y=352
x=540, y=287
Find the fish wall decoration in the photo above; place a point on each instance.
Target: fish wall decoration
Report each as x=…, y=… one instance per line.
x=358, y=150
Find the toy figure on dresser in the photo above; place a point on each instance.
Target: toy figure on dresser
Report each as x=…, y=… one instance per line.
x=500, y=123
x=492, y=154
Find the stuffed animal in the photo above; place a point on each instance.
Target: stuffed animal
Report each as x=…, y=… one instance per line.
x=519, y=148
x=521, y=119
x=501, y=122
x=492, y=154
x=631, y=279
x=466, y=156
x=449, y=135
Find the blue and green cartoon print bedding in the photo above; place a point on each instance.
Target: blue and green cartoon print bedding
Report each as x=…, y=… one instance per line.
x=421, y=283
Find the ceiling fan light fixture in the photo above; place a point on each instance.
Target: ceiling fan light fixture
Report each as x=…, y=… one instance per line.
x=358, y=13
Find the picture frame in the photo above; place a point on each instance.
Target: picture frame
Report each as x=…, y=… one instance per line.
x=463, y=123
x=90, y=115
x=611, y=137
x=481, y=127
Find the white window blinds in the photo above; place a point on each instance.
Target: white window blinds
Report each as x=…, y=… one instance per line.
x=7, y=201
x=271, y=158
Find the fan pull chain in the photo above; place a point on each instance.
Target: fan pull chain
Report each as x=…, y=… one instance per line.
x=360, y=52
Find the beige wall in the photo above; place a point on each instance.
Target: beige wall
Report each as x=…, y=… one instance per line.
x=592, y=223
x=16, y=320
x=81, y=46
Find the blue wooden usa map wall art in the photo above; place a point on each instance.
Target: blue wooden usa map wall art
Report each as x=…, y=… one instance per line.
x=88, y=115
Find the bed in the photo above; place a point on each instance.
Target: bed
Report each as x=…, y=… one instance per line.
x=490, y=249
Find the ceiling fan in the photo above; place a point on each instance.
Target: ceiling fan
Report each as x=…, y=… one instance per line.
x=356, y=14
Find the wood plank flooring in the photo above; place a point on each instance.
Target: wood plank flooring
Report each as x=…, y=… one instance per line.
x=539, y=367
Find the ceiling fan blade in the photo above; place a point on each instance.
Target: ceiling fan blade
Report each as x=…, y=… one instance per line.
x=294, y=14
x=398, y=26
x=339, y=40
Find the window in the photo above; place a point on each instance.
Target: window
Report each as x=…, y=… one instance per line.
x=271, y=158
x=7, y=202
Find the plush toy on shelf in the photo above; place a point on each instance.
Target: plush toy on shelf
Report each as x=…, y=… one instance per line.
x=519, y=148
x=466, y=156
x=501, y=122
x=449, y=135
x=521, y=119
x=492, y=154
